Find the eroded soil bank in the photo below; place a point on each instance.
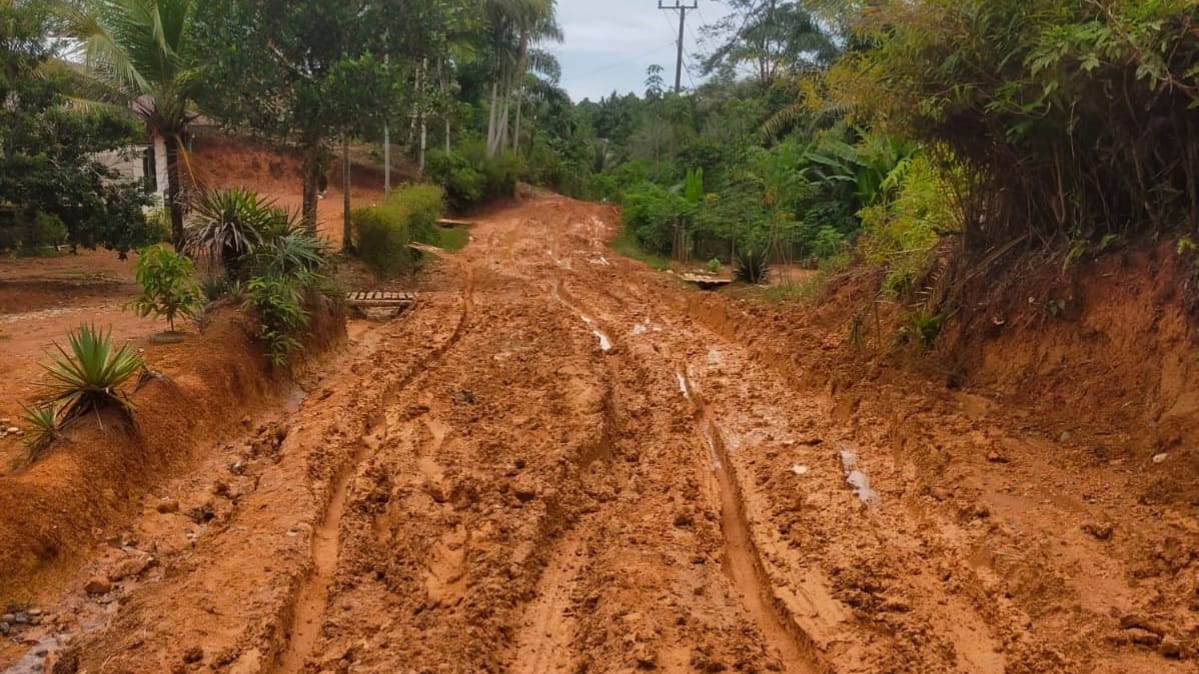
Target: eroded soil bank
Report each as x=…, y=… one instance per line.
x=561, y=461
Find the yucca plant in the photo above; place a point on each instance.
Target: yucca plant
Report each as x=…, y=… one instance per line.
x=86, y=377
x=43, y=428
x=752, y=266
x=229, y=225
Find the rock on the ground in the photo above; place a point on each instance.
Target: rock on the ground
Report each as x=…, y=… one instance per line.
x=1170, y=647
x=97, y=586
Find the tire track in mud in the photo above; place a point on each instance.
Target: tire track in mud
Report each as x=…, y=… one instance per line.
x=743, y=563
x=308, y=609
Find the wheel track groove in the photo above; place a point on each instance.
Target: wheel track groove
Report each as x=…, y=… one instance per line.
x=308, y=607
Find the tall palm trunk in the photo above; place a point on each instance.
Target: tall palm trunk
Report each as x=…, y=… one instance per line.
x=492, y=117
x=347, y=242
x=312, y=169
x=520, y=99
x=174, y=190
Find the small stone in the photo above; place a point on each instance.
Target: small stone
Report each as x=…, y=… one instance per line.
x=131, y=568
x=1064, y=437
x=1161, y=458
x=193, y=655
x=4, y=421
x=995, y=457
x=799, y=469
x=1170, y=647
x=97, y=586
x=8, y=618
x=1143, y=637
x=524, y=490
x=168, y=506
x=21, y=619
x=1100, y=531
x=14, y=430
x=5, y=628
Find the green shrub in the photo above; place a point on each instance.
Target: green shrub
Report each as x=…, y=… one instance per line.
x=382, y=233
x=31, y=233
x=43, y=428
x=168, y=290
x=228, y=225
x=277, y=301
x=901, y=231
x=86, y=378
x=470, y=178
x=752, y=266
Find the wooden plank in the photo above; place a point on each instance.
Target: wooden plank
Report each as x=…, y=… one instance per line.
x=447, y=222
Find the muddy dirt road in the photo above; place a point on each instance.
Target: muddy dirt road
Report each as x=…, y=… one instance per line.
x=553, y=466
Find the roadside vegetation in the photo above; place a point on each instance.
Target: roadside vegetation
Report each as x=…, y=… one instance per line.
x=932, y=141
x=937, y=142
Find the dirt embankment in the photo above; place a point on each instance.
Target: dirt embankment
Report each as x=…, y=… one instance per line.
x=86, y=486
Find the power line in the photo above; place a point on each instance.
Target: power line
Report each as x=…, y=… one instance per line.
x=621, y=62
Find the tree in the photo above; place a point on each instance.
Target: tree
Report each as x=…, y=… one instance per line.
x=144, y=50
x=654, y=84
x=52, y=185
x=514, y=27
x=770, y=36
x=298, y=72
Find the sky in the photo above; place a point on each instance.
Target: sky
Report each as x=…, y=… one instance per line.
x=610, y=43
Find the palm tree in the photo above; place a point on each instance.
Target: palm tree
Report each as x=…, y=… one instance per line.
x=141, y=49
x=515, y=26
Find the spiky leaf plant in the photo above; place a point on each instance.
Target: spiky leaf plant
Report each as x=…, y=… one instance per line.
x=228, y=225
x=86, y=377
x=43, y=428
x=752, y=266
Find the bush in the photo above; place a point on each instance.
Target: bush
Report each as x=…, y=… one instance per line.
x=382, y=233
x=167, y=286
x=470, y=178
x=29, y=234
x=86, y=378
x=277, y=301
x=228, y=225
x=902, y=230
x=752, y=266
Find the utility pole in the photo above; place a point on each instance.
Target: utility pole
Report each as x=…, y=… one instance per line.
x=682, y=9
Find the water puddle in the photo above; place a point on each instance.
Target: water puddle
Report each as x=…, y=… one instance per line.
x=604, y=342
x=857, y=479
x=683, y=385
x=706, y=430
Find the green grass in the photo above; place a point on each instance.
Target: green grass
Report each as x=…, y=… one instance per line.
x=453, y=238
x=626, y=245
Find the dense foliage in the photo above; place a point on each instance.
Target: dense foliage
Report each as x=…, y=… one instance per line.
x=54, y=189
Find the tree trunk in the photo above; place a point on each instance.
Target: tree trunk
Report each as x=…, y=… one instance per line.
x=424, y=123
x=493, y=117
x=174, y=188
x=424, y=143
x=312, y=173
x=347, y=243
x=520, y=97
x=443, y=76
x=505, y=110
